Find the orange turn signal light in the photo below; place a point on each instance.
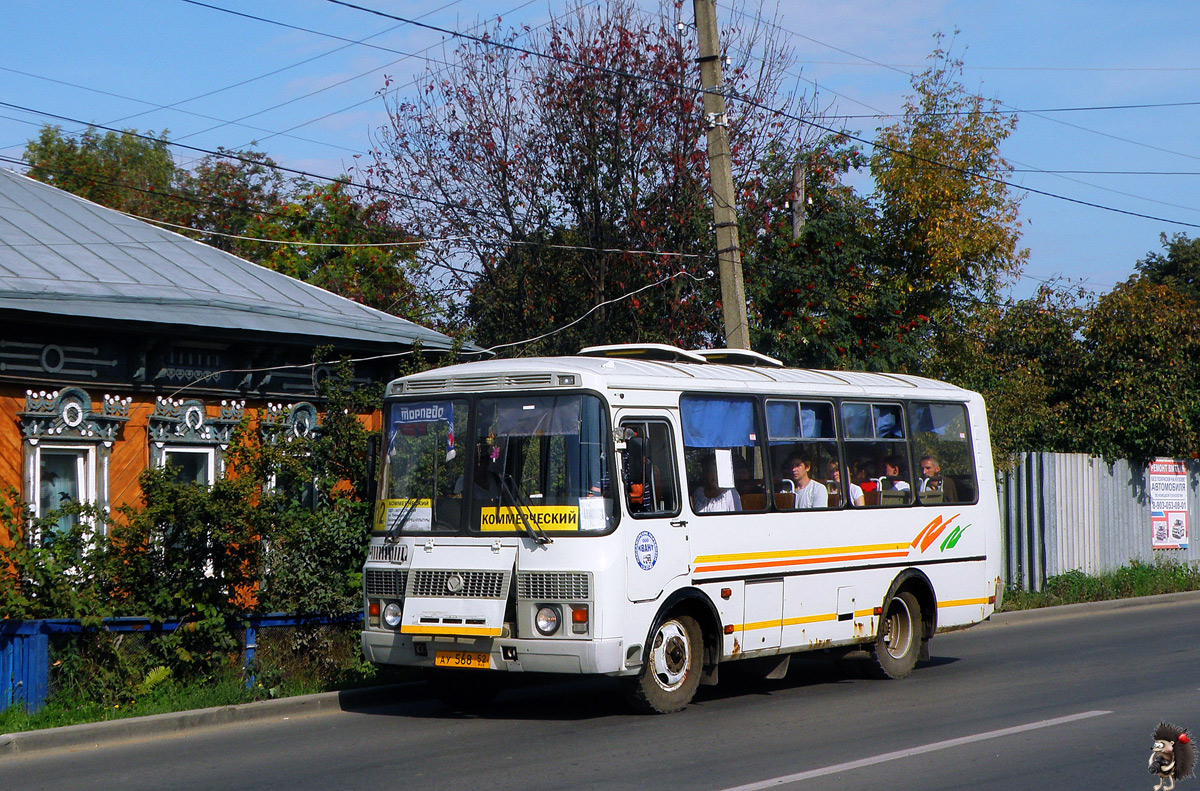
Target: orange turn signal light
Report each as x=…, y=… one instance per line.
x=579, y=614
x=726, y=593
x=373, y=609
x=728, y=628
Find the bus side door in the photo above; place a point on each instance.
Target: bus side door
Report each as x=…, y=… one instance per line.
x=656, y=531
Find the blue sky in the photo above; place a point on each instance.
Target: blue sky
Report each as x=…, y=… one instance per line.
x=311, y=101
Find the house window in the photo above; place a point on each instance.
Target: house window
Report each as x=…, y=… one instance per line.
x=64, y=475
x=191, y=465
x=184, y=436
x=66, y=450
x=290, y=427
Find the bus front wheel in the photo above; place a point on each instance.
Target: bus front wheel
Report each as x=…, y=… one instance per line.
x=670, y=674
x=899, y=642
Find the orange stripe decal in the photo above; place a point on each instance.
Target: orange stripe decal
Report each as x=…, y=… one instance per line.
x=937, y=520
x=932, y=536
x=799, y=561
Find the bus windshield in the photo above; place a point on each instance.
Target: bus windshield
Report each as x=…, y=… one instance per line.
x=532, y=465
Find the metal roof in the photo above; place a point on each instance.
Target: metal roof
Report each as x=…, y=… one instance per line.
x=619, y=374
x=62, y=255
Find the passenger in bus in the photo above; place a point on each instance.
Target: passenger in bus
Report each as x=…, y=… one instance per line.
x=743, y=478
x=798, y=481
x=709, y=497
x=485, y=484
x=935, y=482
x=835, y=475
x=863, y=473
x=893, y=475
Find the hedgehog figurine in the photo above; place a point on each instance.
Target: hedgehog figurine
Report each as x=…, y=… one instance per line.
x=1173, y=756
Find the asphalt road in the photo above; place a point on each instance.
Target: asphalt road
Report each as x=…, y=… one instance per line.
x=1057, y=700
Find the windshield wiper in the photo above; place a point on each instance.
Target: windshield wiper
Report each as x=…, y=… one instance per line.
x=523, y=511
x=393, y=531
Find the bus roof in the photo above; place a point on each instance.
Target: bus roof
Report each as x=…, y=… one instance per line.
x=631, y=372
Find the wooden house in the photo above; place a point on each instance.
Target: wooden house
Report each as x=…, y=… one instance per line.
x=124, y=345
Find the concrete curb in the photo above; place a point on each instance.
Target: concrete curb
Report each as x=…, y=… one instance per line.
x=99, y=734
x=1066, y=610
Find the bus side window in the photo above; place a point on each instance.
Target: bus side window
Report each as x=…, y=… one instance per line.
x=725, y=468
x=648, y=462
x=943, y=454
x=803, y=445
x=876, y=446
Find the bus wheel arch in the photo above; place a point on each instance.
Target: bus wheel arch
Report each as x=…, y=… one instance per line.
x=907, y=622
x=681, y=651
x=692, y=602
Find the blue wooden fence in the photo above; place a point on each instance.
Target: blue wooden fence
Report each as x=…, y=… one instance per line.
x=25, y=647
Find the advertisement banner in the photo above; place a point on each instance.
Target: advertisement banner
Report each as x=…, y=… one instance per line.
x=1168, y=484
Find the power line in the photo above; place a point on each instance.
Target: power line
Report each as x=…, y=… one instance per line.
x=1046, y=110
x=750, y=102
x=902, y=66
x=1035, y=114
x=247, y=160
x=758, y=105
x=260, y=212
x=155, y=106
x=405, y=55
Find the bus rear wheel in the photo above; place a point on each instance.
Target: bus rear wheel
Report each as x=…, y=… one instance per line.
x=899, y=642
x=670, y=674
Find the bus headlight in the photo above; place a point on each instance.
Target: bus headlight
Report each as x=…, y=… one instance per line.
x=547, y=620
x=391, y=615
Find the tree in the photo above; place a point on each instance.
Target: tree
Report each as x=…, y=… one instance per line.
x=1027, y=358
x=906, y=278
x=576, y=176
x=1179, y=268
x=334, y=230
x=948, y=225
x=820, y=300
x=232, y=191
x=1142, y=347
x=128, y=172
x=230, y=199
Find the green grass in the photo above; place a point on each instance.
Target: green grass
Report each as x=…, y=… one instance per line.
x=167, y=697
x=171, y=695
x=1136, y=579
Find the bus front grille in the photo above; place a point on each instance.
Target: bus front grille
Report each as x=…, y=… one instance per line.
x=554, y=586
x=386, y=582
x=462, y=584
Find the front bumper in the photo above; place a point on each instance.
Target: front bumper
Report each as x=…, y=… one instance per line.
x=531, y=656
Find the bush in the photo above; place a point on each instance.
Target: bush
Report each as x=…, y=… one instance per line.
x=285, y=530
x=1136, y=579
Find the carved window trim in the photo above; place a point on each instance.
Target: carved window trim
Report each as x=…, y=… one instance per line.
x=63, y=420
x=185, y=425
x=289, y=422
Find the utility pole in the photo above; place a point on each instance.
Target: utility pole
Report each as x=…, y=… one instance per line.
x=729, y=257
x=798, y=199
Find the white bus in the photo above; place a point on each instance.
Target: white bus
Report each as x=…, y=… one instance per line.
x=652, y=513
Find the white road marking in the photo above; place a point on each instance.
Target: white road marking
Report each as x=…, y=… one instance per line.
x=927, y=748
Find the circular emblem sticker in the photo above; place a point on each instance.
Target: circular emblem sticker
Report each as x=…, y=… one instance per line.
x=645, y=549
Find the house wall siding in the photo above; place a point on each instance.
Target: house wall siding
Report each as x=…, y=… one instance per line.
x=10, y=445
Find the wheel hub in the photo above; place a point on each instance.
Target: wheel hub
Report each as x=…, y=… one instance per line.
x=670, y=655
